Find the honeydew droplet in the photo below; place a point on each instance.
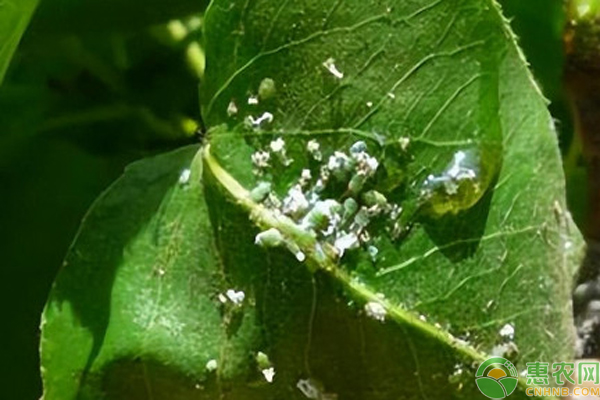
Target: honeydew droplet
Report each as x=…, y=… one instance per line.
x=459, y=187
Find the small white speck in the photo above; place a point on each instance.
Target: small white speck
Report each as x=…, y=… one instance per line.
x=338, y=161
x=568, y=244
x=404, y=143
x=253, y=100
x=375, y=310
x=458, y=370
x=236, y=297
x=372, y=165
x=232, y=109
x=184, y=177
x=391, y=95
x=373, y=251
x=256, y=122
x=330, y=65
x=306, y=175
x=507, y=331
x=222, y=298
x=212, y=365
x=313, y=147
x=369, y=104
x=277, y=145
x=269, y=374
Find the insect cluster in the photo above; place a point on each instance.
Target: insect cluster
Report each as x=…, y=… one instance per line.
x=342, y=218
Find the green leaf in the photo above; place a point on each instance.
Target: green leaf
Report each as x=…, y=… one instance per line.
x=419, y=83
x=116, y=299
x=442, y=99
x=14, y=18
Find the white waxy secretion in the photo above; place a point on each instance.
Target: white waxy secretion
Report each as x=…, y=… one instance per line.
x=233, y=296
x=295, y=203
x=269, y=374
x=236, y=297
x=257, y=122
x=329, y=64
x=260, y=159
x=212, y=365
x=507, y=331
x=308, y=388
x=277, y=145
x=232, y=108
x=314, y=149
x=376, y=310
x=346, y=242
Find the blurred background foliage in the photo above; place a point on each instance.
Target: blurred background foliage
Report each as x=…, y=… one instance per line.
x=81, y=100
x=95, y=85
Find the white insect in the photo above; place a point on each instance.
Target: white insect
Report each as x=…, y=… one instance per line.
x=184, y=177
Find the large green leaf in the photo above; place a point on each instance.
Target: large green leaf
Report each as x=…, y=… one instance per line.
x=14, y=18
x=147, y=299
x=146, y=259
x=419, y=82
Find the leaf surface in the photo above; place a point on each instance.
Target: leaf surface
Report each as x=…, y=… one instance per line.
x=470, y=254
